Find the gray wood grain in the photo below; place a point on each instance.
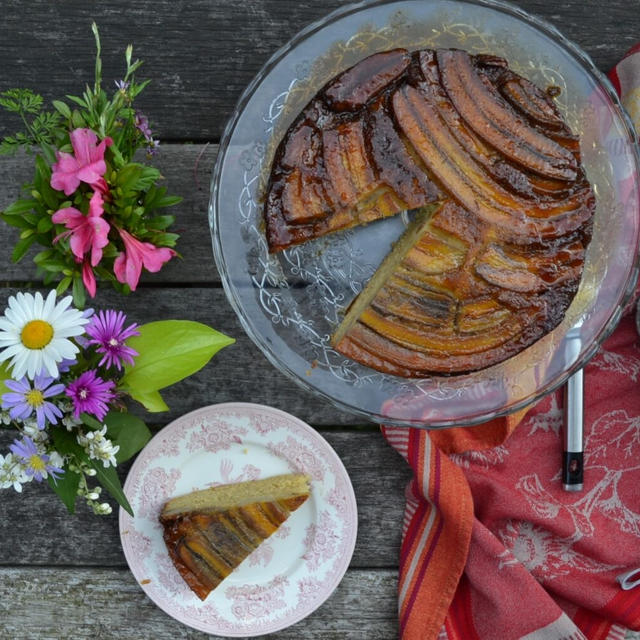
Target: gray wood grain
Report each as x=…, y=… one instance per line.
x=237, y=373
x=52, y=604
x=187, y=171
x=201, y=54
x=41, y=532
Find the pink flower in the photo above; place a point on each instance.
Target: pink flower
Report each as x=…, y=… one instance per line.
x=88, y=233
x=88, y=278
x=88, y=165
x=128, y=265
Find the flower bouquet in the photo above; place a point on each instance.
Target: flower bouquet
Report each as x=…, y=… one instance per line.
x=91, y=205
x=65, y=378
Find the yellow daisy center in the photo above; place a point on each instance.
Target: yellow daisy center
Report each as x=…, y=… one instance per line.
x=37, y=463
x=34, y=397
x=36, y=334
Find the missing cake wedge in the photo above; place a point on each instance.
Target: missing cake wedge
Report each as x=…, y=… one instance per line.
x=208, y=533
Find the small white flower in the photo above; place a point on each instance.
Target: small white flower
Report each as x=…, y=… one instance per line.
x=56, y=459
x=103, y=509
x=98, y=447
x=30, y=427
x=12, y=473
x=34, y=333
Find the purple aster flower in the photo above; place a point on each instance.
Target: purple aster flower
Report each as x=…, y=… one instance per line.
x=122, y=85
x=90, y=394
x=107, y=331
x=37, y=464
x=142, y=123
x=24, y=399
x=66, y=364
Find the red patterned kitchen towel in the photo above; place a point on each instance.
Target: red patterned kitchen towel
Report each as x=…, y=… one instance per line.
x=493, y=548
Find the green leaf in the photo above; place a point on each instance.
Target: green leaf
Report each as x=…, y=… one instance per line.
x=20, y=222
x=90, y=421
x=160, y=222
x=151, y=400
x=5, y=374
x=22, y=247
x=108, y=478
x=78, y=101
x=62, y=108
x=42, y=180
x=170, y=350
x=63, y=285
x=19, y=207
x=66, y=487
x=128, y=432
x=169, y=201
x=65, y=443
x=78, y=291
x=44, y=225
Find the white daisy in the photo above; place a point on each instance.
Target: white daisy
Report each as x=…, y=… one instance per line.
x=35, y=333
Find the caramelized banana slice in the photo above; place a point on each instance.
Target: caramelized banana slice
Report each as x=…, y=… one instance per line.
x=486, y=112
x=364, y=81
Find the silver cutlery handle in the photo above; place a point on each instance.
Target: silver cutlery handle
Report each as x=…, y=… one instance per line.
x=573, y=463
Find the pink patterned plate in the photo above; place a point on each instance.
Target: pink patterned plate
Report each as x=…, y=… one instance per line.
x=290, y=574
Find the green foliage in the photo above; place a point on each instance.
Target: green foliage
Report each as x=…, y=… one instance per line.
x=135, y=196
x=128, y=432
x=170, y=350
x=66, y=488
x=66, y=444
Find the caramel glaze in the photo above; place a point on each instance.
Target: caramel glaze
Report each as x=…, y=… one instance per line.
x=502, y=259
x=206, y=547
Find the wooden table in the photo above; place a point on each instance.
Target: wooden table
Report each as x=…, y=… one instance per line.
x=66, y=577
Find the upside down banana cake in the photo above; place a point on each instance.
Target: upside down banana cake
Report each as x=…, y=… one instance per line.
x=494, y=255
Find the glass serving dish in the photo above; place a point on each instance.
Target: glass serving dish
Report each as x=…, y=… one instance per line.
x=291, y=303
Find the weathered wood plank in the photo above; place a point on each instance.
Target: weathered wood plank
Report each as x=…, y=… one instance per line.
x=201, y=54
x=41, y=532
x=49, y=604
x=187, y=170
x=237, y=373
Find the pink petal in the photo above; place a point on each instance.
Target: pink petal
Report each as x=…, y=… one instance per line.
x=100, y=230
x=154, y=257
x=68, y=216
x=96, y=205
x=63, y=176
x=93, y=172
x=80, y=241
x=84, y=142
x=127, y=269
x=89, y=279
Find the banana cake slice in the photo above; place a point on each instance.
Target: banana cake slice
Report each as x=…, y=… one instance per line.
x=208, y=533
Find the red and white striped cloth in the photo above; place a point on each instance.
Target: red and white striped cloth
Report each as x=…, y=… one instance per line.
x=492, y=547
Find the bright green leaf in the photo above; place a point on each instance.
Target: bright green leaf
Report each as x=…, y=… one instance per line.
x=5, y=374
x=128, y=432
x=170, y=350
x=151, y=400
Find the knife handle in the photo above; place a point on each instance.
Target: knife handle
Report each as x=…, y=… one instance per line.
x=573, y=457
